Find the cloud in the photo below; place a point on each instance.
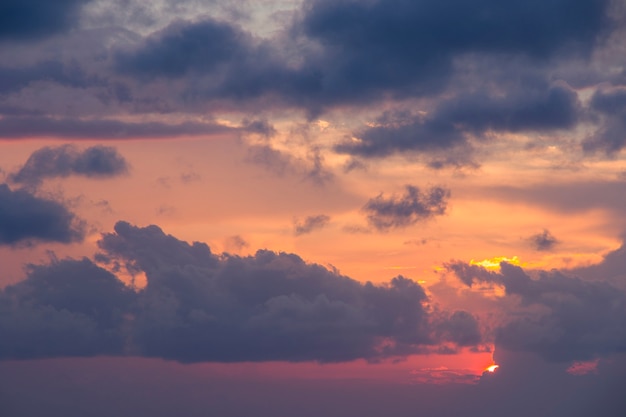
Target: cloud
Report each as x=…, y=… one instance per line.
x=37, y=18
x=407, y=48
x=544, y=241
x=610, y=105
x=25, y=218
x=281, y=164
x=558, y=317
x=310, y=224
x=63, y=161
x=454, y=120
x=29, y=126
x=184, y=47
x=66, y=308
x=405, y=210
x=270, y=306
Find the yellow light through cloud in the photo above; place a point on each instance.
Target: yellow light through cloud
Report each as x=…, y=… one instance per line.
x=492, y=368
x=494, y=263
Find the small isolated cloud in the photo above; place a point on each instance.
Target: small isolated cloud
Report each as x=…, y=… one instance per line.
x=25, y=218
x=405, y=210
x=310, y=224
x=64, y=161
x=544, y=241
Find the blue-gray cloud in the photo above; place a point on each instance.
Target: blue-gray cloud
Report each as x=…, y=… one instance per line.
x=25, y=218
x=198, y=306
x=453, y=121
x=414, y=205
x=544, y=241
x=63, y=161
x=24, y=19
x=310, y=224
x=559, y=317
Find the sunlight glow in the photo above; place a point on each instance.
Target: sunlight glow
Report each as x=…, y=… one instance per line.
x=494, y=263
x=492, y=368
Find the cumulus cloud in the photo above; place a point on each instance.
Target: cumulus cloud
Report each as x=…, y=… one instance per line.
x=405, y=210
x=63, y=161
x=198, y=306
x=66, y=308
x=310, y=224
x=559, y=317
x=25, y=218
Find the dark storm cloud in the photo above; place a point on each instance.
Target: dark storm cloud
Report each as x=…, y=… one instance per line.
x=544, y=241
x=407, y=47
x=24, y=19
x=67, y=308
x=347, y=52
x=539, y=109
x=405, y=210
x=21, y=127
x=25, y=218
x=559, y=317
x=310, y=224
x=63, y=161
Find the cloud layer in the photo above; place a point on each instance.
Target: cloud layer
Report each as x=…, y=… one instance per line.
x=201, y=307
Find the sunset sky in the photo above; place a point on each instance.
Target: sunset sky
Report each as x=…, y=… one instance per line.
x=313, y=207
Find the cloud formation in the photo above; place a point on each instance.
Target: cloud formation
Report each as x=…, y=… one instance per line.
x=454, y=121
x=405, y=210
x=198, y=306
x=66, y=308
x=37, y=18
x=544, y=241
x=310, y=224
x=558, y=317
x=66, y=160
x=25, y=218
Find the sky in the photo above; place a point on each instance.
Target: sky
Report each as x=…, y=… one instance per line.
x=313, y=207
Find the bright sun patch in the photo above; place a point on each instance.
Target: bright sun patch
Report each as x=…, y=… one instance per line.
x=494, y=263
x=492, y=368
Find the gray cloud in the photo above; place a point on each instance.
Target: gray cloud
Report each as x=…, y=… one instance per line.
x=310, y=224
x=544, y=241
x=449, y=125
x=610, y=105
x=559, y=317
x=281, y=164
x=29, y=126
x=198, y=306
x=25, y=218
x=66, y=308
x=63, y=161
x=405, y=210
x=37, y=18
